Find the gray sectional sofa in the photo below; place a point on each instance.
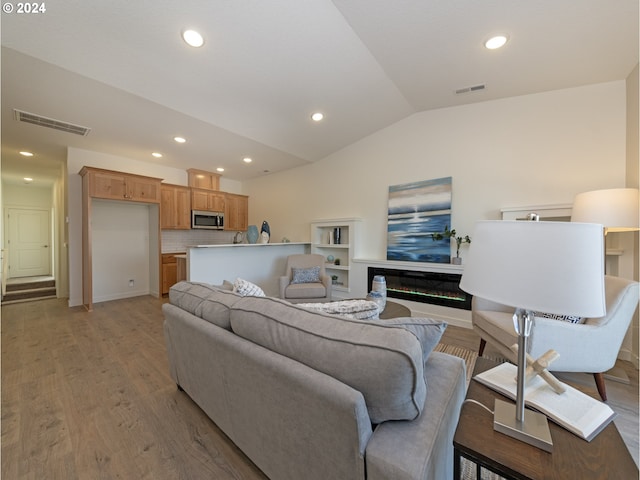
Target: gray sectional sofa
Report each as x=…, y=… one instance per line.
x=311, y=396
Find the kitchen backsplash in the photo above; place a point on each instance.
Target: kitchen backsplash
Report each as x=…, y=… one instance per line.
x=178, y=240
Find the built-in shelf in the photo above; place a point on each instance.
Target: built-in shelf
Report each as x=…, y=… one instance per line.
x=324, y=242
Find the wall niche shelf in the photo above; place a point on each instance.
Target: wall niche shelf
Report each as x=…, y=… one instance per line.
x=324, y=242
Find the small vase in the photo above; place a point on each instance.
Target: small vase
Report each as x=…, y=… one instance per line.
x=252, y=234
x=456, y=260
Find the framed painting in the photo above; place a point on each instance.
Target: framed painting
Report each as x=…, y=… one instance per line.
x=416, y=210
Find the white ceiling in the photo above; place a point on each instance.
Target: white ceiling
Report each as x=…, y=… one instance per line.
x=121, y=68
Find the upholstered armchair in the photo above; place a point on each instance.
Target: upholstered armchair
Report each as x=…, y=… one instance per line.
x=305, y=279
x=591, y=346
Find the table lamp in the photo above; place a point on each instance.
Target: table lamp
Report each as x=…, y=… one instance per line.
x=552, y=267
x=617, y=209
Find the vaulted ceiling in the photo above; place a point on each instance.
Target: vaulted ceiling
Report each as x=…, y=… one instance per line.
x=122, y=69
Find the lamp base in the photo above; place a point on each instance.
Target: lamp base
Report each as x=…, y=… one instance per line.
x=534, y=429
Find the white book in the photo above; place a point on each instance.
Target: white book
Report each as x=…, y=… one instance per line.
x=577, y=412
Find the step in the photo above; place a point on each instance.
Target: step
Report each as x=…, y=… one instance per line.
x=29, y=294
x=14, y=287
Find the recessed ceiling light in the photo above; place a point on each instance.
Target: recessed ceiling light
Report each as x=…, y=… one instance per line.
x=179, y=139
x=28, y=179
x=496, y=42
x=193, y=38
x=247, y=160
x=219, y=169
x=316, y=117
x=26, y=154
x=157, y=154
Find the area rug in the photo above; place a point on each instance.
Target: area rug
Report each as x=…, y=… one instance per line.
x=469, y=356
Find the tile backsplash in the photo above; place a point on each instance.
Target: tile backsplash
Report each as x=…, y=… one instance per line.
x=178, y=240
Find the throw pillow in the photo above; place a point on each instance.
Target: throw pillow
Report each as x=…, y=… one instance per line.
x=564, y=318
x=246, y=288
x=305, y=275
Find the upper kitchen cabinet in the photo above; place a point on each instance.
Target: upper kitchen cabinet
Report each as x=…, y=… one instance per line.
x=175, y=207
x=121, y=186
x=236, y=212
x=203, y=179
x=207, y=200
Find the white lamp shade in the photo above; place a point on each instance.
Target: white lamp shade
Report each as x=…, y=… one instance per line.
x=552, y=267
x=617, y=209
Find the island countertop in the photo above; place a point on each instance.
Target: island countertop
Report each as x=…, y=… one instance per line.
x=220, y=245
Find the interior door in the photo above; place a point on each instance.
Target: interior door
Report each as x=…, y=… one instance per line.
x=29, y=242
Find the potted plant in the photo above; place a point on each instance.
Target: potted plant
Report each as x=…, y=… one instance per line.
x=457, y=260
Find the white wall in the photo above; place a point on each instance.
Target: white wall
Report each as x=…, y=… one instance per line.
x=529, y=150
x=78, y=158
x=120, y=249
x=27, y=196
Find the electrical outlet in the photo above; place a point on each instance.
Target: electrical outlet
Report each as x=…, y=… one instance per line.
x=131, y=282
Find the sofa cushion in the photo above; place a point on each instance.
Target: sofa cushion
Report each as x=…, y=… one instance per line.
x=305, y=290
x=209, y=302
x=383, y=360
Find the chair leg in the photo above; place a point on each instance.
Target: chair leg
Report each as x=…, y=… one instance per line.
x=483, y=343
x=602, y=390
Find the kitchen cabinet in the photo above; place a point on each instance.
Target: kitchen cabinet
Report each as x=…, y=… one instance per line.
x=121, y=186
x=236, y=212
x=203, y=179
x=169, y=271
x=175, y=207
x=207, y=200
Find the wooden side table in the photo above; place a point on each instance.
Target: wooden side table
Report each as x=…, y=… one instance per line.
x=605, y=457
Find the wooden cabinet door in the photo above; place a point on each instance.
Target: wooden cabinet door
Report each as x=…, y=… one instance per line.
x=142, y=190
x=175, y=207
x=216, y=202
x=169, y=276
x=236, y=212
x=203, y=179
x=199, y=199
x=107, y=185
x=182, y=197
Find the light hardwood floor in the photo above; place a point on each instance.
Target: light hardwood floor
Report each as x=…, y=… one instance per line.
x=88, y=396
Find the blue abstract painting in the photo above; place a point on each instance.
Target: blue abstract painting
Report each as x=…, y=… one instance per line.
x=416, y=210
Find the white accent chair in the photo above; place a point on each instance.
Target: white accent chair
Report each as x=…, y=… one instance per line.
x=590, y=347
x=312, y=292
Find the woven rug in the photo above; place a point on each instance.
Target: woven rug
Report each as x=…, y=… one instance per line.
x=469, y=356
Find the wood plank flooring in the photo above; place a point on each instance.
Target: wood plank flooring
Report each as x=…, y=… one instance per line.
x=88, y=396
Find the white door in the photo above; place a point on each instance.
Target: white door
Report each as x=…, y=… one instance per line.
x=29, y=242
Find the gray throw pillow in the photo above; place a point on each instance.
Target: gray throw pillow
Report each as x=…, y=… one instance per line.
x=306, y=275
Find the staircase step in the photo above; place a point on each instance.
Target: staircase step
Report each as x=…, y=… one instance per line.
x=29, y=294
x=14, y=287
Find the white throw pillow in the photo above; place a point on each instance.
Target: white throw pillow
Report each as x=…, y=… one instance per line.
x=246, y=288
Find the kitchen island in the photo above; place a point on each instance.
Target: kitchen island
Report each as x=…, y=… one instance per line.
x=260, y=263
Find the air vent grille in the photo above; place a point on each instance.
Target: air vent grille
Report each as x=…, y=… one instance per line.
x=474, y=88
x=50, y=123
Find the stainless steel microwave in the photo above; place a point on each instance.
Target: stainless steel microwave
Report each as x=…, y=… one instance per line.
x=207, y=220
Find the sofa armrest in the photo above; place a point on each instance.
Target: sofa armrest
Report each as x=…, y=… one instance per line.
x=283, y=283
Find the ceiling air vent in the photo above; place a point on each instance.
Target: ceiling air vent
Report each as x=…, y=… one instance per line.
x=474, y=88
x=50, y=123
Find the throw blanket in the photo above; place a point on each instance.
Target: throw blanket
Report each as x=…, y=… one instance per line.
x=358, y=309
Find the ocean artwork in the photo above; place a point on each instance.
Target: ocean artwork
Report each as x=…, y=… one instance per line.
x=416, y=210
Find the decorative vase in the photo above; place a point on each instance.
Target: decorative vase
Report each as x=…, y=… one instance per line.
x=252, y=234
x=265, y=232
x=456, y=260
